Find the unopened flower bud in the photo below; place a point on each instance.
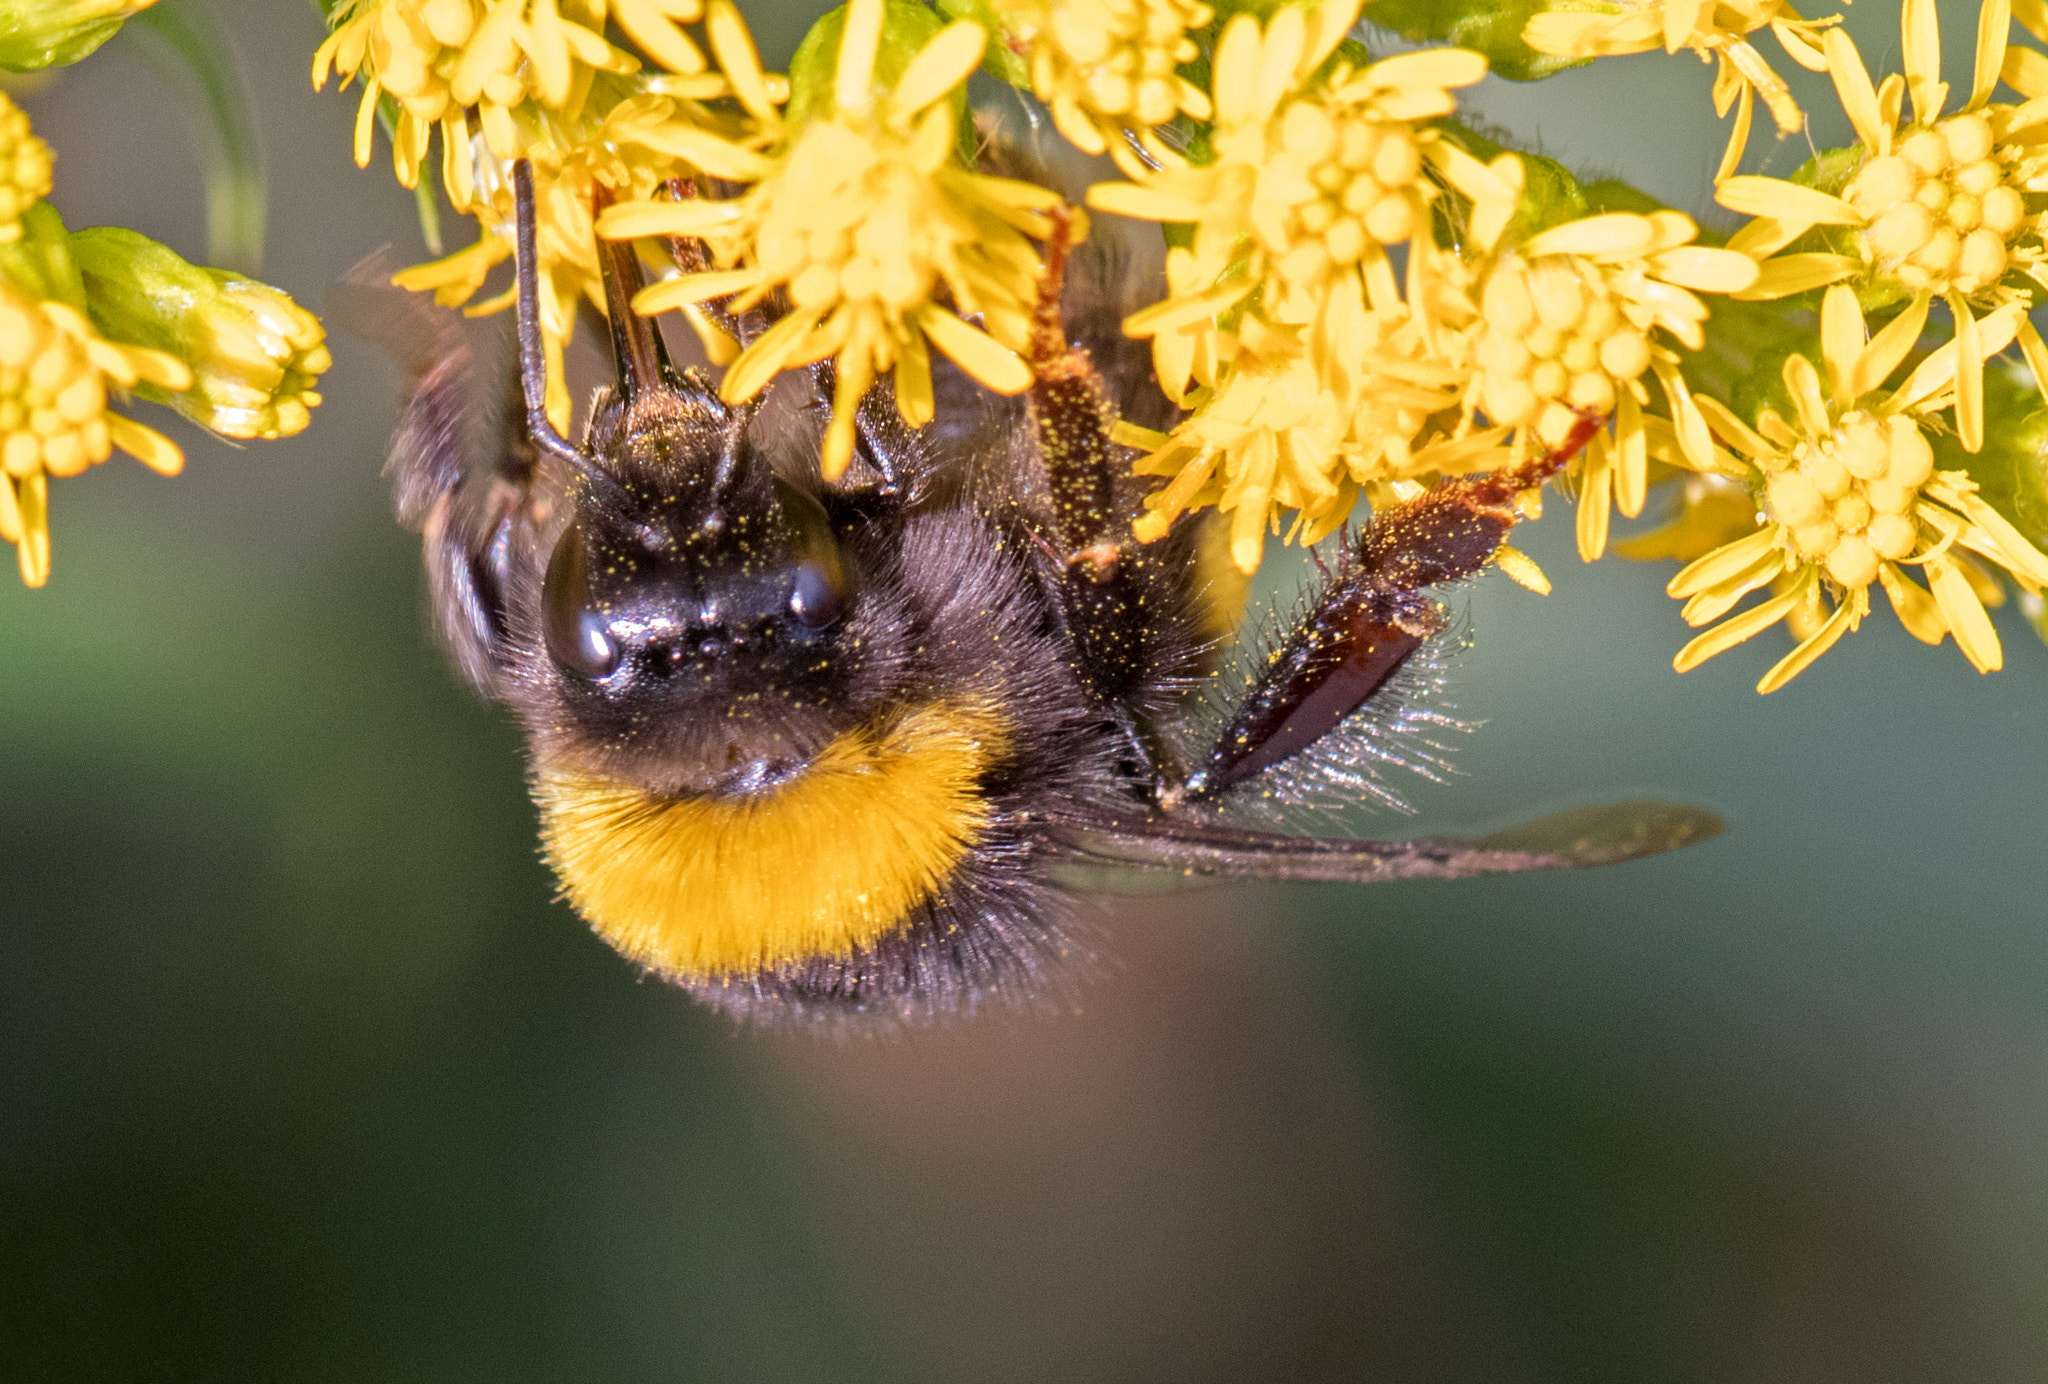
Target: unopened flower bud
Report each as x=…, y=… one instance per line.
x=254, y=354
x=35, y=34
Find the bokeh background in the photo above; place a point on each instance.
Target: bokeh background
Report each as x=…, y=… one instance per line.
x=304, y=1076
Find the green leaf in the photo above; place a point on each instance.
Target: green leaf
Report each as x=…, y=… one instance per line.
x=1000, y=61
x=905, y=29
x=2011, y=471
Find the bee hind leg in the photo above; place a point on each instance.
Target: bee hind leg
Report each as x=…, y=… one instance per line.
x=1373, y=614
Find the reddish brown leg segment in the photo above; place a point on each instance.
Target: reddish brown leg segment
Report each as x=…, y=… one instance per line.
x=1372, y=617
x=1071, y=415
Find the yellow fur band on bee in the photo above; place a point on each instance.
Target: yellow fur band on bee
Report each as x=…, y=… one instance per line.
x=834, y=859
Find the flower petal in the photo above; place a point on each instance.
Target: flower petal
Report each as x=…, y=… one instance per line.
x=1920, y=34
x=1738, y=135
x=1596, y=496
x=1994, y=27
x=1724, y=562
x=1916, y=610
x=1521, y=569
x=146, y=445
x=632, y=220
x=974, y=351
x=1704, y=269
x=1788, y=202
x=1852, y=86
x=1841, y=341
x=1969, y=376
x=1612, y=235
x=734, y=48
x=1145, y=203
x=942, y=64
x=1427, y=67
x=1803, y=381
x=1748, y=624
x=1965, y=615
x=694, y=288
x=1731, y=429
x=1888, y=348
x=1797, y=662
x=1785, y=275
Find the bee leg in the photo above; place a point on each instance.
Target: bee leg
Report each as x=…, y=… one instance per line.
x=1115, y=596
x=1371, y=617
x=1071, y=416
x=896, y=465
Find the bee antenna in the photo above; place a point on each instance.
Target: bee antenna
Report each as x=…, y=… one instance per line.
x=533, y=362
x=637, y=349
x=533, y=365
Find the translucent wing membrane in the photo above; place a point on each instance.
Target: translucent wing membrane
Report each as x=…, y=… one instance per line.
x=1575, y=839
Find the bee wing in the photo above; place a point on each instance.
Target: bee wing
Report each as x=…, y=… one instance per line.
x=465, y=495
x=1575, y=839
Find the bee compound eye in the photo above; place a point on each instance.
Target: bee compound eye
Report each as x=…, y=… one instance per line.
x=818, y=599
x=578, y=636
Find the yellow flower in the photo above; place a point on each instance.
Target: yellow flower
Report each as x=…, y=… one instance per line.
x=1717, y=30
x=565, y=182
x=1284, y=329
x=1570, y=324
x=24, y=169
x=1306, y=191
x=1937, y=207
x=1272, y=434
x=439, y=58
x=1264, y=440
x=1105, y=67
x=1850, y=497
x=858, y=221
x=54, y=374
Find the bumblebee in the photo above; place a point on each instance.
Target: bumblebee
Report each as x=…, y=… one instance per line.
x=820, y=751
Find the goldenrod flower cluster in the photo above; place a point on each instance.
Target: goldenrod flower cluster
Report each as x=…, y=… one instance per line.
x=103, y=315
x=1109, y=69
x=54, y=374
x=1315, y=373
x=1360, y=295
x=1936, y=207
x=858, y=218
x=1930, y=208
x=536, y=79
x=1852, y=497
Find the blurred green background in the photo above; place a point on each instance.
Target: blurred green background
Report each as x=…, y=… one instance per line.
x=303, y=1075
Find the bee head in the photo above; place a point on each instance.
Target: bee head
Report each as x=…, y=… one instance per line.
x=697, y=614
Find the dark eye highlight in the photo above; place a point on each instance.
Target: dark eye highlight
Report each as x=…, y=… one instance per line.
x=817, y=600
x=820, y=594
x=578, y=637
